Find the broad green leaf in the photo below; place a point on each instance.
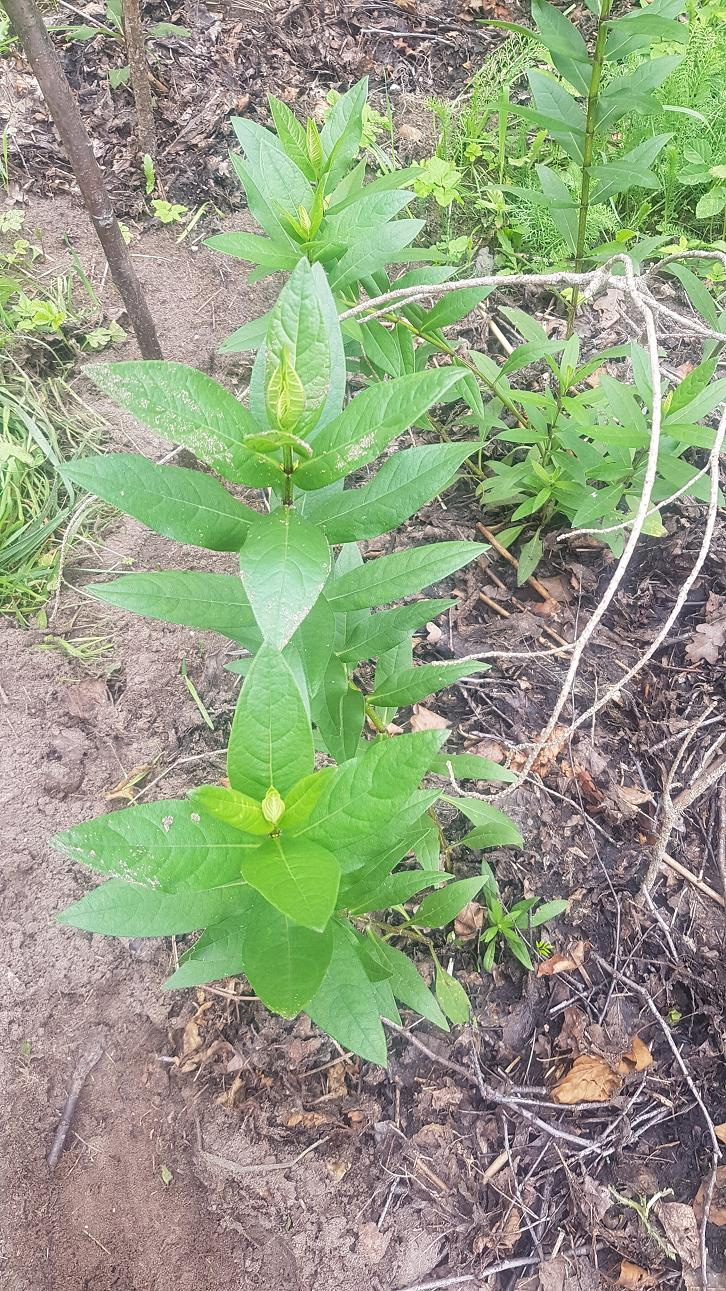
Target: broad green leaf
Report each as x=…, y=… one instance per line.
x=407, y=984
x=186, y=407
x=297, y=877
x=388, y=578
x=345, y=1005
x=396, y=889
x=566, y=119
x=452, y=997
x=388, y=665
x=560, y=204
x=641, y=28
x=283, y=961
x=370, y=792
x=365, y=218
x=213, y=602
x=234, y=808
x=411, y=685
x=382, y=184
x=265, y=210
x=279, y=180
x=268, y=254
x=186, y=505
x=403, y=484
x=291, y=135
x=247, y=337
x=452, y=307
x=565, y=44
x=689, y=388
x=530, y=554
x=371, y=253
x=491, y=824
x=469, y=766
x=632, y=170
x=271, y=742
x=297, y=328
x=123, y=910
x=623, y=404
x=167, y=845
x=384, y=631
x=303, y=796
x=312, y=644
x=338, y=712
x=341, y=134
x=215, y=955
x=711, y=203
x=441, y=907
x=370, y=422
x=427, y=847
x=284, y=563
x=633, y=92
x=548, y=910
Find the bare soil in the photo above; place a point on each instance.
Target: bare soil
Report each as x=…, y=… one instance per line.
x=171, y=1177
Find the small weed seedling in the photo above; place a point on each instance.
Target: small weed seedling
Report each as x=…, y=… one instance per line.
x=506, y=927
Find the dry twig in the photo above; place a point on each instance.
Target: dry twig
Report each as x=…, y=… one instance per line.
x=84, y=1067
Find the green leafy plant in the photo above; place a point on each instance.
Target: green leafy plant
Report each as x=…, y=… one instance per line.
x=578, y=450
x=168, y=212
x=505, y=928
x=440, y=179
x=284, y=868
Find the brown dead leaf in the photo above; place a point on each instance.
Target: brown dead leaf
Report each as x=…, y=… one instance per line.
x=638, y=1057
x=556, y=963
x=589, y=1080
x=125, y=788
x=717, y=1213
x=468, y=922
x=709, y=637
x=308, y=1120
x=85, y=698
x=631, y=1275
x=681, y=1229
x=433, y=631
x=337, y=1168
x=410, y=134
x=721, y=1132
x=337, y=1085
x=424, y=719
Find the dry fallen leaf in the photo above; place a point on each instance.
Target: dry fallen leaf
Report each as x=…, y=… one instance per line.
x=639, y=1054
x=556, y=964
x=717, y=1213
x=468, y=922
x=681, y=1229
x=631, y=1275
x=589, y=1080
x=336, y=1168
x=337, y=1086
x=308, y=1120
x=721, y=1132
x=709, y=637
x=424, y=719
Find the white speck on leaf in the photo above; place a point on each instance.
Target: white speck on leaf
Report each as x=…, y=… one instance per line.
x=167, y=822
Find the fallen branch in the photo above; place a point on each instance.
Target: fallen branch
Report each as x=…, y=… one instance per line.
x=671, y=812
x=84, y=1067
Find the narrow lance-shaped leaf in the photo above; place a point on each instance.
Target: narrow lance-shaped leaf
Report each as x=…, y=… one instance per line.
x=124, y=910
x=271, y=742
x=212, y=602
x=409, y=685
x=384, y=631
x=178, y=503
x=215, y=955
x=283, y=961
x=388, y=578
x=345, y=1005
x=370, y=422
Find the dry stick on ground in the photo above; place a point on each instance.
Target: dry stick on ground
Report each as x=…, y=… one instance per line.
x=671, y=812
x=30, y=28
x=721, y=849
x=83, y=1070
x=710, y=1128
x=139, y=73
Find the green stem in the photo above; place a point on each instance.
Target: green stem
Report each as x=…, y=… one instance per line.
x=287, y=466
x=593, y=96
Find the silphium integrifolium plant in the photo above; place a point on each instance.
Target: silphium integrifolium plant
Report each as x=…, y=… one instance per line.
x=292, y=870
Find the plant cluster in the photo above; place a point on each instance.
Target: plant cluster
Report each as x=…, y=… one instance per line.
x=113, y=29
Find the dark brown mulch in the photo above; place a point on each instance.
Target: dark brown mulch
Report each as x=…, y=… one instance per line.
x=236, y=54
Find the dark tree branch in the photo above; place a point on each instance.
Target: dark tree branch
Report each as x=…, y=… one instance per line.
x=31, y=31
x=139, y=72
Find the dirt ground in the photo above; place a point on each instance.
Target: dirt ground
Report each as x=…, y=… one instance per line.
x=171, y=1176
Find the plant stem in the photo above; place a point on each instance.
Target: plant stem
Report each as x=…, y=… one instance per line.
x=139, y=73
x=593, y=96
x=287, y=467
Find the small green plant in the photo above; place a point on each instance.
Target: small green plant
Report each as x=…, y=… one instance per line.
x=439, y=179
x=168, y=212
x=702, y=169
x=578, y=450
x=113, y=29
x=505, y=928
x=285, y=868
